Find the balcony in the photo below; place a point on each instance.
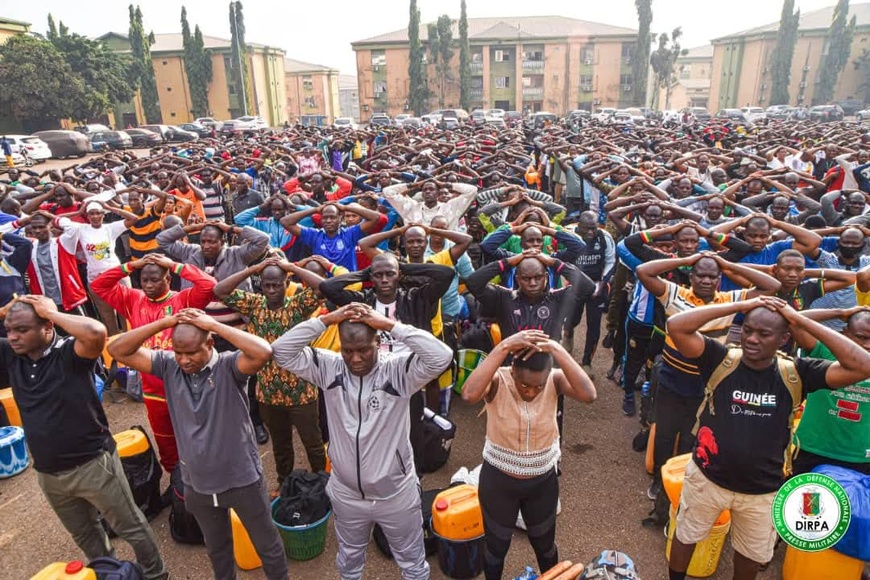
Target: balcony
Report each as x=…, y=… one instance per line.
x=533, y=92
x=476, y=93
x=476, y=67
x=533, y=65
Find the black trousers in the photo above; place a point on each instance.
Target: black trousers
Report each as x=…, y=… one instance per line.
x=638, y=343
x=675, y=415
x=594, y=307
x=502, y=497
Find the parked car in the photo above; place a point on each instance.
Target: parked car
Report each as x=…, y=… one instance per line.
x=92, y=128
x=255, y=121
x=797, y=113
x=397, y=120
x=412, y=122
x=579, y=114
x=171, y=133
x=460, y=114
x=699, y=113
x=210, y=123
x=380, y=120
x=344, y=123
x=495, y=122
x=539, y=120
x=850, y=106
x=636, y=114
x=603, y=114
x=235, y=126
x=449, y=120
x=198, y=129
x=495, y=113
x=754, y=114
x=110, y=140
x=513, y=118
x=621, y=118
x=777, y=111
x=143, y=138
x=733, y=115
x=862, y=116
x=65, y=143
x=29, y=147
x=670, y=116
x=478, y=117
x=826, y=113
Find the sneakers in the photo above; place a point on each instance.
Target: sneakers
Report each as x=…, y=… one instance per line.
x=628, y=405
x=654, y=489
x=614, y=373
x=261, y=434
x=608, y=339
x=587, y=368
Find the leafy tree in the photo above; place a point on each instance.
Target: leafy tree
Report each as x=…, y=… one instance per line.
x=239, y=64
x=52, y=29
x=142, y=69
x=416, y=71
x=663, y=61
x=441, y=52
x=39, y=87
x=197, y=65
x=780, y=62
x=464, y=61
x=839, y=39
x=862, y=64
x=641, y=55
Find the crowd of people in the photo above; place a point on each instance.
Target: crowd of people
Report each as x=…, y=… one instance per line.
x=328, y=279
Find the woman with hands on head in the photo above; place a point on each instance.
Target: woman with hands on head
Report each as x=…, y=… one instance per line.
x=522, y=449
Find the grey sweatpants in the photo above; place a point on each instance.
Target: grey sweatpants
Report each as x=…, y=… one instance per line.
x=401, y=519
x=252, y=506
x=77, y=495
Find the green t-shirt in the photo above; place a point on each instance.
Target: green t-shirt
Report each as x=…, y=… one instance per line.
x=836, y=423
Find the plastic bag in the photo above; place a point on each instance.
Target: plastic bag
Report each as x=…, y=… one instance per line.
x=856, y=542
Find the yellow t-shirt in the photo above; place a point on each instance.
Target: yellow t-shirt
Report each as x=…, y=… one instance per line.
x=442, y=258
x=862, y=297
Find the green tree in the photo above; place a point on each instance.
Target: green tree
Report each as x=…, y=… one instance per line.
x=780, y=62
x=441, y=52
x=839, y=40
x=197, y=65
x=142, y=69
x=52, y=29
x=641, y=54
x=663, y=61
x=862, y=64
x=39, y=87
x=464, y=60
x=239, y=64
x=416, y=70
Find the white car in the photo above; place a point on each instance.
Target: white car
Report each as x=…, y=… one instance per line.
x=397, y=120
x=862, y=116
x=33, y=147
x=495, y=113
x=603, y=114
x=669, y=115
x=254, y=121
x=636, y=114
x=210, y=122
x=754, y=114
x=344, y=123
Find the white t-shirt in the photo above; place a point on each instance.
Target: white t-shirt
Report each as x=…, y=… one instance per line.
x=388, y=343
x=98, y=244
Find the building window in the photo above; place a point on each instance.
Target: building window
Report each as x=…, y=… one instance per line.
x=380, y=89
x=227, y=62
x=231, y=88
x=476, y=82
x=379, y=59
x=502, y=82
x=625, y=79
x=587, y=55
x=165, y=63
x=502, y=56
x=307, y=83
x=476, y=57
x=533, y=55
x=171, y=114
x=685, y=71
x=533, y=82
x=628, y=51
x=309, y=102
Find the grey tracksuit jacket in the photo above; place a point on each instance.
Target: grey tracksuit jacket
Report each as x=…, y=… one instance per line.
x=368, y=416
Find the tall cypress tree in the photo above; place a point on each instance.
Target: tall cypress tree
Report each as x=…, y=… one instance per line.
x=640, y=66
x=197, y=65
x=464, y=61
x=239, y=62
x=780, y=62
x=143, y=67
x=416, y=71
x=839, y=45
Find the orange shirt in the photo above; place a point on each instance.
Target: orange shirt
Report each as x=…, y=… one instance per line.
x=191, y=197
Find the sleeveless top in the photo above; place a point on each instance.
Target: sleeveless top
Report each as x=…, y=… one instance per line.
x=522, y=437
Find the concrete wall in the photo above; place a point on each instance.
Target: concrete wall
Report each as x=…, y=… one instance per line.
x=172, y=89
x=321, y=86
x=218, y=91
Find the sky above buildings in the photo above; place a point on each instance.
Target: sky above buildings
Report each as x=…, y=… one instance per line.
x=321, y=32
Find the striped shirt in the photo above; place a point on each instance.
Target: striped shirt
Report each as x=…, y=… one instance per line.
x=213, y=204
x=143, y=233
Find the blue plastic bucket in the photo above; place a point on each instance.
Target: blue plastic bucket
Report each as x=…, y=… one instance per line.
x=13, y=452
x=459, y=558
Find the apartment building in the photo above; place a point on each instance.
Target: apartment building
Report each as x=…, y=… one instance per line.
x=312, y=92
x=692, y=86
x=266, y=82
x=533, y=63
x=348, y=96
x=741, y=61
x=9, y=27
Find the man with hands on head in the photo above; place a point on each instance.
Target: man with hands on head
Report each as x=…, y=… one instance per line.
x=220, y=465
x=744, y=424
x=522, y=446
x=367, y=393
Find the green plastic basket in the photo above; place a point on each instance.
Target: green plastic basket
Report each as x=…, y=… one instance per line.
x=302, y=542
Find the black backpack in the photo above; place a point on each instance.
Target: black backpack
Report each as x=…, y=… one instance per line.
x=143, y=474
x=112, y=569
x=303, y=498
x=428, y=538
x=437, y=442
x=182, y=525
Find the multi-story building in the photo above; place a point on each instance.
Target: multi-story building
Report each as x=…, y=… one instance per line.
x=312, y=92
x=265, y=81
x=529, y=63
x=348, y=96
x=741, y=62
x=9, y=27
x=692, y=85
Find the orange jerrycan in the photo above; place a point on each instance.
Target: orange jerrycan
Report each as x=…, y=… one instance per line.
x=456, y=513
x=246, y=556
x=74, y=570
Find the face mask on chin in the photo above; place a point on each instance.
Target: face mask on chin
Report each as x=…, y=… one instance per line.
x=850, y=252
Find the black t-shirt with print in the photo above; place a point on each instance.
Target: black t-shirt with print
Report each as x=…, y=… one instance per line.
x=741, y=447
x=805, y=294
